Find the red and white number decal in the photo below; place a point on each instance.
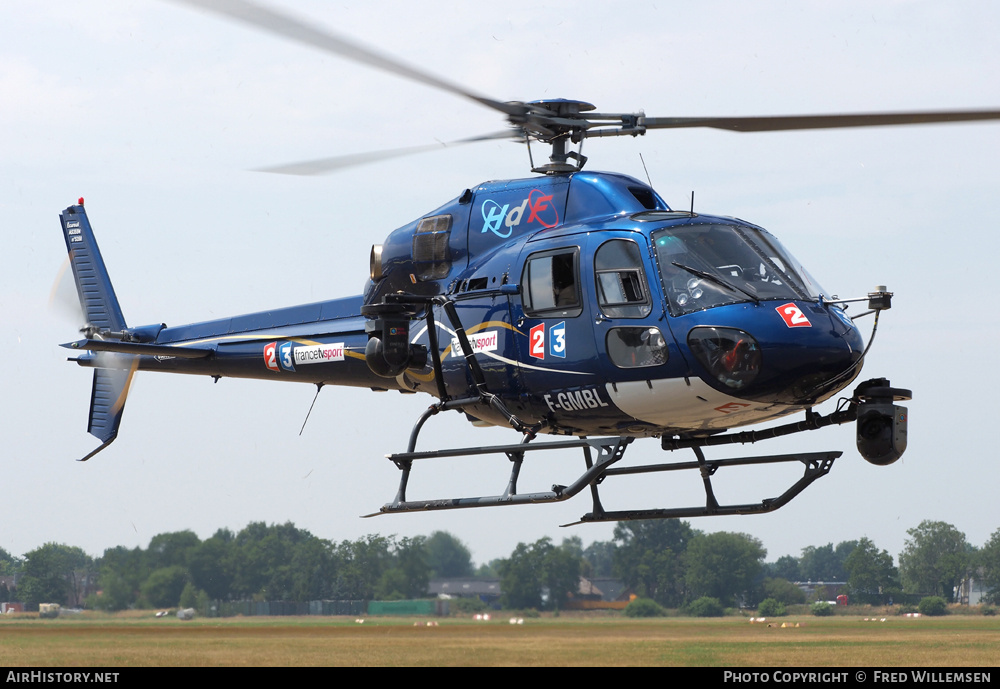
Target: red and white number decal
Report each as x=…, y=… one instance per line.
x=793, y=316
x=270, y=356
x=731, y=407
x=536, y=341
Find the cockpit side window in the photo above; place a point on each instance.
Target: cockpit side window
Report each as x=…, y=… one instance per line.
x=622, y=290
x=551, y=284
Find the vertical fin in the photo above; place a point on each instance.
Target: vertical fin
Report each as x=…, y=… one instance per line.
x=97, y=296
x=104, y=315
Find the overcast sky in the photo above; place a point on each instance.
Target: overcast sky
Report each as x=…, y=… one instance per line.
x=156, y=113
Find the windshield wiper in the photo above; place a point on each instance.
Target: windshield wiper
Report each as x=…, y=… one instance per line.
x=717, y=280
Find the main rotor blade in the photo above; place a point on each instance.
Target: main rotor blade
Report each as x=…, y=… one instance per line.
x=323, y=166
x=792, y=122
x=284, y=25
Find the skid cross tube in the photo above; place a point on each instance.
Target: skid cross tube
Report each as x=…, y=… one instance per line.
x=610, y=450
x=405, y=465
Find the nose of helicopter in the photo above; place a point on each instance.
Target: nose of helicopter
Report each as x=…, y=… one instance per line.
x=797, y=353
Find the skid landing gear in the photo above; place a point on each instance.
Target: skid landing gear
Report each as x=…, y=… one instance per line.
x=599, y=456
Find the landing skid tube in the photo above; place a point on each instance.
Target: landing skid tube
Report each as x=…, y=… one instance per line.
x=817, y=464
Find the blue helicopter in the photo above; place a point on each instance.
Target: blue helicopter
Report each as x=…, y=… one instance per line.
x=570, y=303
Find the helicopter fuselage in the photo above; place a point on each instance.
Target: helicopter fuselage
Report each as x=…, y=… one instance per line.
x=590, y=306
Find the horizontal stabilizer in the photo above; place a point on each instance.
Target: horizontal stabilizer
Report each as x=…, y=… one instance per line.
x=138, y=348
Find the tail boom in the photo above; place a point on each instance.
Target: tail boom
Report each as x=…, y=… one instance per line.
x=321, y=343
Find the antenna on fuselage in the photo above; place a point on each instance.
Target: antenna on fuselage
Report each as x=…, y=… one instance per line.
x=643, y=161
x=319, y=386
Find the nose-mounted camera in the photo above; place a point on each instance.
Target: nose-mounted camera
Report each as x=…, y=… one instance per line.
x=881, y=430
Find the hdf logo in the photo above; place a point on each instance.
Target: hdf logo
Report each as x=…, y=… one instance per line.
x=538, y=203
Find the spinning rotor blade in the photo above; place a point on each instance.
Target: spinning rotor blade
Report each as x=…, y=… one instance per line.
x=284, y=25
x=322, y=166
x=63, y=299
x=553, y=121
x=793, y=122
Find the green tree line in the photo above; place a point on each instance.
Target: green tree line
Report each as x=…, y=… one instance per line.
x=665, y=560
x=260, y=562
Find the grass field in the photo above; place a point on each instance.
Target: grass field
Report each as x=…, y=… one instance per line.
x=94, y=641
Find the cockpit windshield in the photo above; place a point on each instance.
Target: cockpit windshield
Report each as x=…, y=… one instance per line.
x=706, y=265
